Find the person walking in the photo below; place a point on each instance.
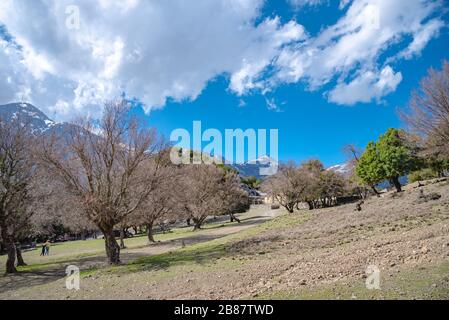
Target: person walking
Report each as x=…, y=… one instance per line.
x=47, y=247
x=44, y=250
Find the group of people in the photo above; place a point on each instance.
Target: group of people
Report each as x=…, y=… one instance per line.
x=46, y=248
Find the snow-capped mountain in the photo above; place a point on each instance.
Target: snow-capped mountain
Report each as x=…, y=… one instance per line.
x=343, y=169
x=38, y=121
x=252, y=168
x=27, y=114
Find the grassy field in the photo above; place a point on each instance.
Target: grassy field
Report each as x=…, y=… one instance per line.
x=72, y=250
x=65, y=251
x=320, y=254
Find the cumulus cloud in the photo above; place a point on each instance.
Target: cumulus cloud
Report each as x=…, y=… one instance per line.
x=368, y=85
x=350, y=50
x=368, y=29
x=153, y=50
x=159, y=50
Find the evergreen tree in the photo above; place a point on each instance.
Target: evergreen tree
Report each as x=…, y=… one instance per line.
x=394, y=156
x=369, y=168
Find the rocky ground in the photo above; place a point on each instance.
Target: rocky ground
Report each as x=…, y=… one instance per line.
x=309, y=254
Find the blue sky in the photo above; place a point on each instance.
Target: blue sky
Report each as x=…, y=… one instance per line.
x=309, y=125
x=324, y=73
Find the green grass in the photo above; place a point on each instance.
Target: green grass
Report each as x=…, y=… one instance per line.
x=193, y=257
x=75, y=250
x=210, y=252
x=426, y=282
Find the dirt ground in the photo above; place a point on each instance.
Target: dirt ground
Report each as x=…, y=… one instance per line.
x=47, y=272
x=320, y=254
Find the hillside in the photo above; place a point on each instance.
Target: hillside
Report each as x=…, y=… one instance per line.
x=308, y=254
x=39, y=122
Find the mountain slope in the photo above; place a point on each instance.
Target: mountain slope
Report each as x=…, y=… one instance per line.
x=27, y=114
x=345, y=169
x=252, y=168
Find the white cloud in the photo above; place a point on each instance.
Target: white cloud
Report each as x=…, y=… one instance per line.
x=344, y=3
x=355, y=43
x=155, y=50
x=368, y=85
x=302, y=3
x=360, y=37
x=298, y=4
x=421, y=37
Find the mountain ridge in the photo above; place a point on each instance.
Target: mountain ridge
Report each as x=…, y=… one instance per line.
x=40, y=123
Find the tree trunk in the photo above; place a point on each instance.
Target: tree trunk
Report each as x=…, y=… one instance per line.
x=11, y=251
x=122, y=236
x=188, y=222
x=310, y=204
x=375, y=190
x=112, y=247
x=362, y=192
x=198, y=223
x=2, y=248
x=20, y=261
x=397, y=184
x=290, y=208
x=150, y=232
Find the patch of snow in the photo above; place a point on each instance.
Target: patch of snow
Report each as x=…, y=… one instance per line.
x=49, y=123
x=340, y=168
x=262, y=160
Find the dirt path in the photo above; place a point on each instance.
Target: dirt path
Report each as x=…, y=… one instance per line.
x=54, y=272
x=204, y=236
x=320, y=254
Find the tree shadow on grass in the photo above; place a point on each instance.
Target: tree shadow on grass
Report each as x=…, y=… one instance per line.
x=197, y=250
x=201, y=254
x=35, y=275
x=244, y=222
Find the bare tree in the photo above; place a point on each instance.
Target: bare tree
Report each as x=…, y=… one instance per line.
x=330, y=185
x=207, y=190
x=61, y=208
x=105, y=172
x=429, y=110
x=288, y=186
x=309, y=183
x=161, y=203
x=16, y=183
x=353, y=154
x=232, y=198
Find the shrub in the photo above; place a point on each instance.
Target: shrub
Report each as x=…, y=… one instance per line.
x=423, y=174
